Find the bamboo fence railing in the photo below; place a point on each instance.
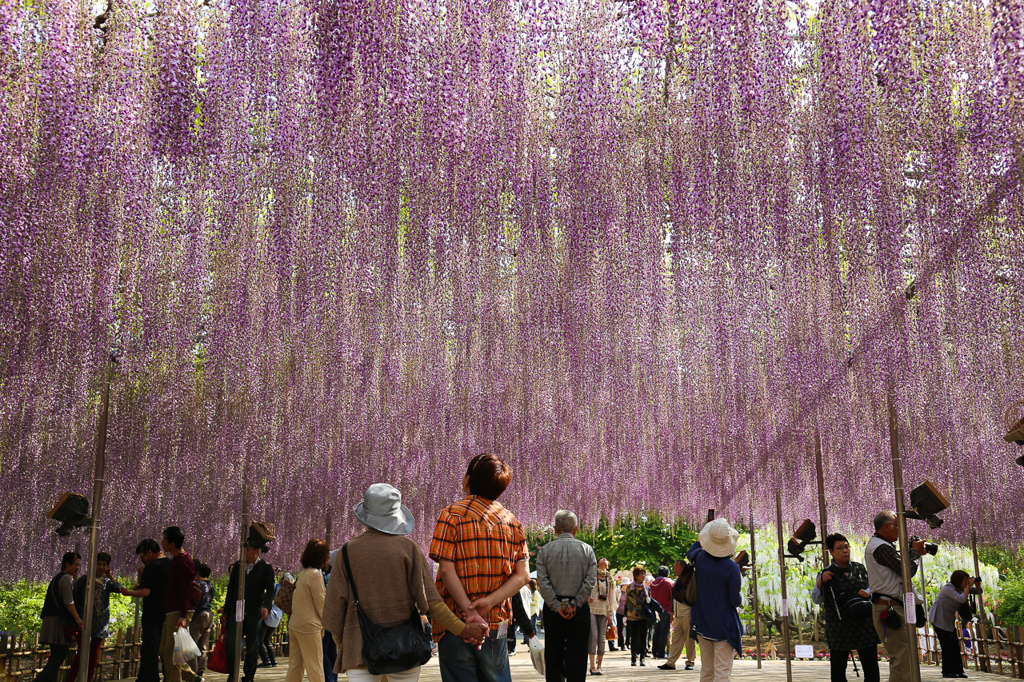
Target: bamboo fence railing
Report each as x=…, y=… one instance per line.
x=22, y=656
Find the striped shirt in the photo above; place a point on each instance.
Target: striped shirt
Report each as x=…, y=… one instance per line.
x=566, y=571
x=484, y=541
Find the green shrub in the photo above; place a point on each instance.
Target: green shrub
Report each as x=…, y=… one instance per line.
x=20, y=604
x=647, y=540
x=1011, y=602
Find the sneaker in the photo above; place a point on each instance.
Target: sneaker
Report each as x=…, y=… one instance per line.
x=689, y=666
x=642, y=664
x=666, y=666
x=633, y=663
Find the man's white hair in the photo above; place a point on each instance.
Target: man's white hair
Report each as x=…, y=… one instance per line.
x=565, y=521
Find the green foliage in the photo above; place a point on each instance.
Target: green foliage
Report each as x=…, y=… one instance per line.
x=646, y=540
x=1011, y=601
x=1010, y=562
x=220, y=584
x=20, y=604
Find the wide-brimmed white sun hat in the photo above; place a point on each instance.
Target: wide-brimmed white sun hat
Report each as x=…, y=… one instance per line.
x=382, y=509
x=718, y=538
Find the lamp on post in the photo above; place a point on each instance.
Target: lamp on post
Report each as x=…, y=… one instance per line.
x=1014, y=420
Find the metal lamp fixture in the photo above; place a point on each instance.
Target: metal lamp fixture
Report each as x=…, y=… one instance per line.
x=72, y=510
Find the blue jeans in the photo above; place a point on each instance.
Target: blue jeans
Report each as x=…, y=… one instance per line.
x=330, y=656
x=461, y=662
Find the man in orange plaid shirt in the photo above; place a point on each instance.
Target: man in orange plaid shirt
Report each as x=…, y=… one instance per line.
x=481, y=549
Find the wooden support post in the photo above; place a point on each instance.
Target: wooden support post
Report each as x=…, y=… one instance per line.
x=901, y=524
x=924, y=605
x=136, y=642
x=982, y=628
x=785, y=600
x=822, y=505
x=1018, y=651
x=753, y=574
x=236, y=662
x=94, y=529
x=119, y=655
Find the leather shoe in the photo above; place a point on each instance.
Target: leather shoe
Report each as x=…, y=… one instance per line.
x=666, y=666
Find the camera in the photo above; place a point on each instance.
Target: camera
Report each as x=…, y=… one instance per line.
x=977, y=580
x=929, y=547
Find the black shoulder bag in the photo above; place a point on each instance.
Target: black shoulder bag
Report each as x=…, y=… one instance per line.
x=390, y=650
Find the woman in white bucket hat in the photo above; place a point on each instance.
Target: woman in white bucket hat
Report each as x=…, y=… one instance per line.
x=392, y=577
x=718, y=596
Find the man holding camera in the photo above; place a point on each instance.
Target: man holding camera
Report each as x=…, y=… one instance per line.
x=885, y=578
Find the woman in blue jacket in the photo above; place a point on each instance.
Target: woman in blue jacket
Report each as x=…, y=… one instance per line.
x=718, y=596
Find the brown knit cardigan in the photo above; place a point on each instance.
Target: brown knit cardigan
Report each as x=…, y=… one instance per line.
x=392, y=577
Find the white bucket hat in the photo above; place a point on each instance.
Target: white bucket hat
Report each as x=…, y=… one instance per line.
x=718, y=538
x=382, y=509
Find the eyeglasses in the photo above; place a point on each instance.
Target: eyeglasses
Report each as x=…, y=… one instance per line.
x=840, y=548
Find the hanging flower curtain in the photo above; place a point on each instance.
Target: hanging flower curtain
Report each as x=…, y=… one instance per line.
x=642, y=250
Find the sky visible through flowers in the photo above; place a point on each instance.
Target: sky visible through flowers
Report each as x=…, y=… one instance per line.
x=642, y=250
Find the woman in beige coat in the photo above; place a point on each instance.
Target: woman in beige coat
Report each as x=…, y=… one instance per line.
x=392, y=577
x=305, y=624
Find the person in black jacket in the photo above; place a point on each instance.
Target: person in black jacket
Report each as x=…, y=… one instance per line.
x=847, y=629
x=259, y=598
x=154, y=577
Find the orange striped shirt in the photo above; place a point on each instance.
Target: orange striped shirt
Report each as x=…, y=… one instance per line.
x=484, y=541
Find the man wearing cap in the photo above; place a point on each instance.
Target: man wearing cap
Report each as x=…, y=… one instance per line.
x=566, y=573
x=259, y=598
x=718, y=596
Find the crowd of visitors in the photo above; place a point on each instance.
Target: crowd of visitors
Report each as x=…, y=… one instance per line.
x=372, y=618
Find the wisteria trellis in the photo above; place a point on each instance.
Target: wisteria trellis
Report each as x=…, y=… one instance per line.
x=640, y=249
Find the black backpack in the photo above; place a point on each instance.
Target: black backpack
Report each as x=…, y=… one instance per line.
x=684, y=589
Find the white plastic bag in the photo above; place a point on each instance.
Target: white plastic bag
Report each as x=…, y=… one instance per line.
x=537, y=653
x=184, y=648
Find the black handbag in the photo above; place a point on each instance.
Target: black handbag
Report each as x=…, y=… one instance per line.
x=650, y=610
x=853, y=606
x=390, y=650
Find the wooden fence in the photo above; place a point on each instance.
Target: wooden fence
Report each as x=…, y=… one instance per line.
x=22, y=656
x=998, y=650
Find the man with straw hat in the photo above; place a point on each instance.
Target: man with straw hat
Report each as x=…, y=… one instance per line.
x=718, y=596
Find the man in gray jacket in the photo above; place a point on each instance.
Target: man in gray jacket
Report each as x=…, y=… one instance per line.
x=566, y=573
